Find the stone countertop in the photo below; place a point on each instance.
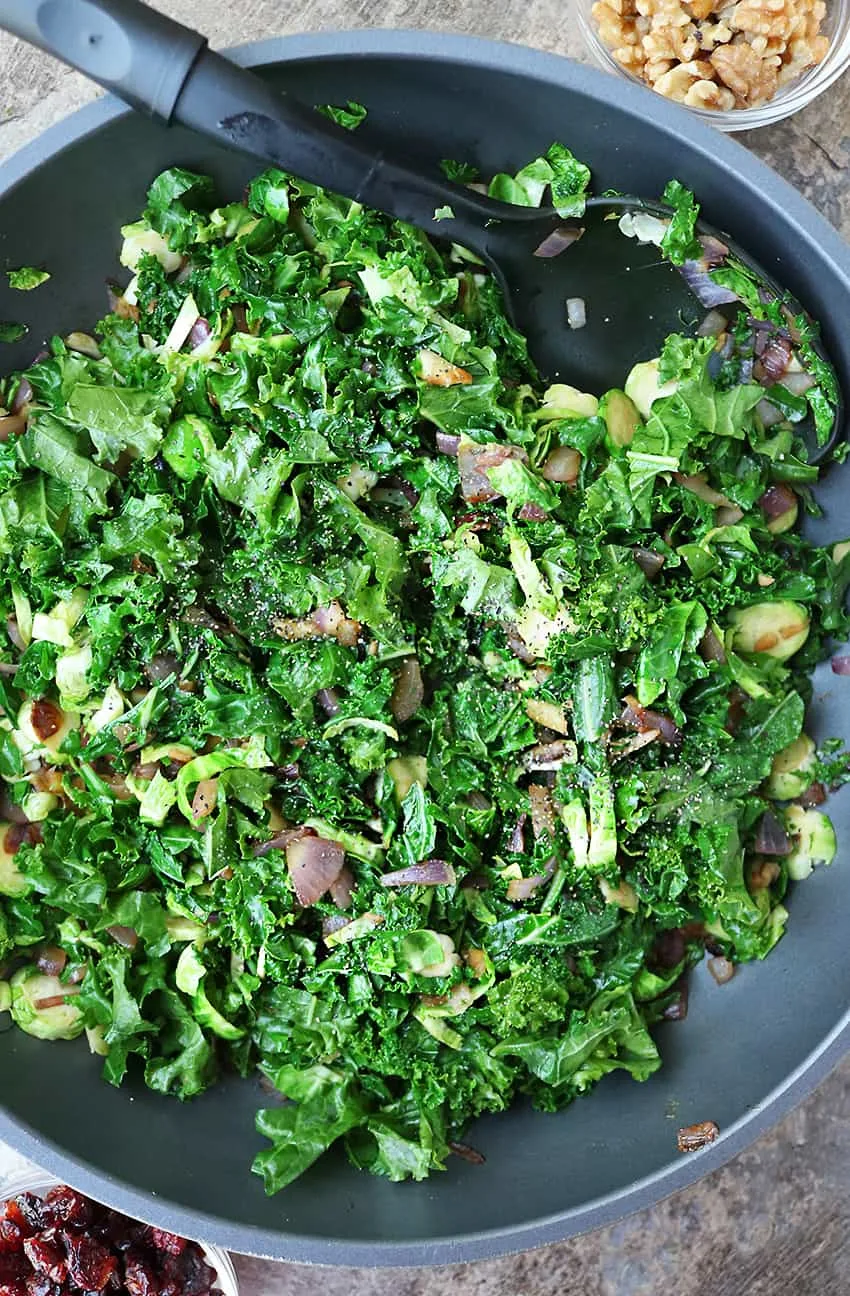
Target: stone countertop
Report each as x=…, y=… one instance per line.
x=776, y=1219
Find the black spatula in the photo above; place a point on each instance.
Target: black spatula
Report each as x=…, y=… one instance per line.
x=632, y=298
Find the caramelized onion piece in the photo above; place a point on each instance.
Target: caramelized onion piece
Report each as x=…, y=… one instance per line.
x=473, y=461
x=543, y=817
x=433, y=872
x=722, y=969
x=314, y=865
x=408, y=691
x=51, y=959
x=126, y=936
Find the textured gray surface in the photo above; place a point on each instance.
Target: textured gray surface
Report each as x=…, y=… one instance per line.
x=777, y=1219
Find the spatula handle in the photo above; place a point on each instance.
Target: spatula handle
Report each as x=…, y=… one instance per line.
x=123, y=45
x=166, y=70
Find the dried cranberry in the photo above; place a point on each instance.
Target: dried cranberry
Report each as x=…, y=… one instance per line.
x=163, y=1241
x=197, y=1276
x=11, y=1236
x=118, y=1231
x=139, y=1275
x=90, y=1263
x=14, y=1271
x=47, y=1255
x=27, y=1211
x=63, y=1205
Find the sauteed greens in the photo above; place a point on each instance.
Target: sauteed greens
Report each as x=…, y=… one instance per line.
x=375, y=718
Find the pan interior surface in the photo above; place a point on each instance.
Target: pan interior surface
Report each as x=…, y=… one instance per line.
x=748, y=1049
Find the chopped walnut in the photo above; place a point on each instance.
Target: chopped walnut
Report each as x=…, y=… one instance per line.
x=721, y=56
x=750, y=78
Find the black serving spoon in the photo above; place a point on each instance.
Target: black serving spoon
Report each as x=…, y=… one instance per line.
x=632, y=297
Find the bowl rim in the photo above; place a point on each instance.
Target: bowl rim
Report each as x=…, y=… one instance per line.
x=812, y=229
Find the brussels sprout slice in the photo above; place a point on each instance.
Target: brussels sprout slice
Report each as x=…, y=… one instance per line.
x=793, y=770
x=644, y=387
x=776, y=629
x=815, y=841
x=785, y=521
x=621, y=418
x=12, y=881
x=41, y=1006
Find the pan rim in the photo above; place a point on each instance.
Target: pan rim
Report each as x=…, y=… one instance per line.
x=816, y=232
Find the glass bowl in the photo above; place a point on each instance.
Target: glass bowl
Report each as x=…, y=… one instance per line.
x=36, y=1181
x=790, y=99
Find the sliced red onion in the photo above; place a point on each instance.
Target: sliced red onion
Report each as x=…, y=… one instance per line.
x=558, y=241
x=728, y=515
x=520, y=889
x=543, y=817
x=814, y=796
x=649, y=561
x=698, y=485
x=342, y=890
x=12, y=425
x=643, y=720
x=677, y=1009
x=160, y=667
x=777, y=500
x=707, y=292
x=199, y=333
x=714, y=253
x=550, y=756
x=23, y=396
x=15, y=635
x=447, y=445
x=516, y=841
x=768, y=413
x=51, y=959
x=478, y=801
x=125, y=936
x=432, y=872
x=355, y=929
x=78, y=974
x=281, y=840
x=798, y=383
x=314, y=865
x=474, y=460
x=775, y=359
x=841, y=665
x=771, y=837
x=328, y=700
x=713, y=325
x=532, y=513
x=56, y=1001
x=576, y=312
x=519, y=648
x=722, y=969
x=562, y=465
x=712, y=649
x=204, y=620
x=408, y=691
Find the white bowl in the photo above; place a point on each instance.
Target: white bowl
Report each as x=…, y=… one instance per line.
x=36, y=1181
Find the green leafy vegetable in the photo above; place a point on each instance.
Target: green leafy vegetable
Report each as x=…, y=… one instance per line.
x=372, y=760
x=27, y=278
